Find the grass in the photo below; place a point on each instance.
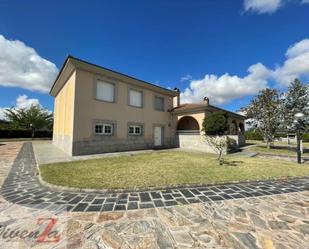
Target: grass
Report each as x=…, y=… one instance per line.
x=165, y=169
x=305, y=144
x=277, y=150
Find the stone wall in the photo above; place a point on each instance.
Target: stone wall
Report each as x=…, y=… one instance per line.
x=115, y=145
x=198, y=142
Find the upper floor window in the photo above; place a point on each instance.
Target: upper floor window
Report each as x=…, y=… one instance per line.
x=104, y=129
x=105, y=91
x=159, y=103
x=135, y=98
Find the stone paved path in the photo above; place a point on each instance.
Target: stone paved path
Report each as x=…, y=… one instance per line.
x=275, y=221
x=22, y=187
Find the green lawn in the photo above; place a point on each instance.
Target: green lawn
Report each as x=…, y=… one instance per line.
x=305, y=144
x=276, y=150
x=165, y=169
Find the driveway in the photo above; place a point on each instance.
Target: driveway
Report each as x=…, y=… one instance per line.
x=277, y=220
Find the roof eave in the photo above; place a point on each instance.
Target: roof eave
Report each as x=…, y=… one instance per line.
x=79, y=61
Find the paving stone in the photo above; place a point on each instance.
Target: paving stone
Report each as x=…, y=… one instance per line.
x=98, y=201
x=80, y=207
x=183, y=238
x=215, y=197
x=93, y=208
x=303, y=228
x=108, y=207
x=186, y=193
x=132, y=205
x=145, y=197
x=277, y=225
x=146, y=205
x=170, y=203
x=119, y=207
x=168, y=197
x=182, y=201
x=156, y=195
x=247, y=239
x=22, y=187
x=158, y=203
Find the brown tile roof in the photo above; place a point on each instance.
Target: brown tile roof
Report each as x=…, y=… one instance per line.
x=201, y=105
x=185, y=107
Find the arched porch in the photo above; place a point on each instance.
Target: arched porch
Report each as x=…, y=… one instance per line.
x=188, y=124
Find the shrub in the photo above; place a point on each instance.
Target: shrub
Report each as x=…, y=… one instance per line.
x=24, y=133
x=215, y=124
x=253, y=135
x=306, y=137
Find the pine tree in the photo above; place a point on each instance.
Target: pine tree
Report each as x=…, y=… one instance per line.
x=265, y=112
x=296, y=100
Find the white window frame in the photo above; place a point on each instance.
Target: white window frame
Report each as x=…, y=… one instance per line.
x=98, y=81
x=142, y=98
x=134, y=130
x=103, y=129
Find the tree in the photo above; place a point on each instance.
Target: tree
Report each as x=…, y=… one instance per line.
x=32, y=118
x=296, y=100
x=219, y=145
x=265, y=111
x=215, y=124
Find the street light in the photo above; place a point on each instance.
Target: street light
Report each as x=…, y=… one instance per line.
x=299, y=117
x=32, y=130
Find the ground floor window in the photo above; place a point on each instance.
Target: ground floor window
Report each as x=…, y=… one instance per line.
x=104, y=129
x=135, y=129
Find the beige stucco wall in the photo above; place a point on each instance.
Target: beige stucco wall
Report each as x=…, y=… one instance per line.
x=64, y=115
x=87, y=110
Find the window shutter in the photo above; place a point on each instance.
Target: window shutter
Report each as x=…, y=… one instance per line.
x=105, y=91
x=136, y=98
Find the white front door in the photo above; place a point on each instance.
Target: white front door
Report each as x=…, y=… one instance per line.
x=158, y=136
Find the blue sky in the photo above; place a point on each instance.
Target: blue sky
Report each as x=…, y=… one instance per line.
x=205, y=48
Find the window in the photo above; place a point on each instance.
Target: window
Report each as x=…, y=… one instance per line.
x=159, y=103
x=104, y=129
x=105, y=91
x=135, y=129
x=135, y=98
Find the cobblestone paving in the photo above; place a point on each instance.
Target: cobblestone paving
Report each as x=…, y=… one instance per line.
x=8, y=152
x=22, y=187
x=275, y=221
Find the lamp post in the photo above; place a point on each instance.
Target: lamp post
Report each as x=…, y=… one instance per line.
x=299, y=117
x=32, y=131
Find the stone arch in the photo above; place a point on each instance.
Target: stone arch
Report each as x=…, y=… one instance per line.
x=188, y=123
x=241, y=127
x=234, y=127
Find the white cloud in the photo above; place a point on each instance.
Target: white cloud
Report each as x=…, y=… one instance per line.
x=21, y=66
x=225, y=88
x=295, y=65
x=304, y=1
x=262, y=6
x=22, y=101
x=188, y=77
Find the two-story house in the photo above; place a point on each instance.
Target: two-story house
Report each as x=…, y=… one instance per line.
x=98, y=110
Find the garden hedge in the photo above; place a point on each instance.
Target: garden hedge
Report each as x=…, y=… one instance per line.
x=253, y=135
x=24, y=134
